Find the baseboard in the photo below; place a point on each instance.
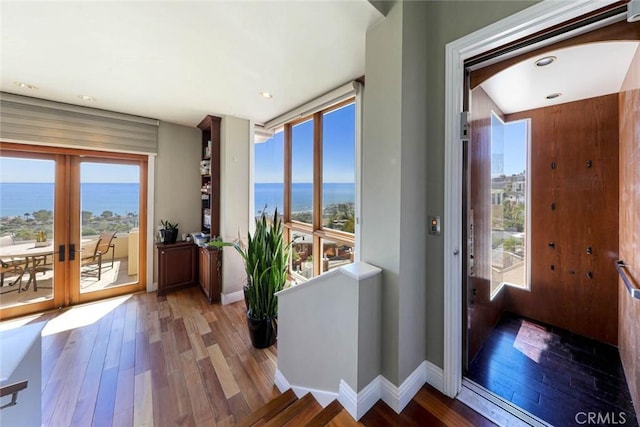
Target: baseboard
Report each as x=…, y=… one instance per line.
x=232, y=297
x=358, y=404
x=323, y=397
x=435, y=376
x=281, y=382
x=398, y=397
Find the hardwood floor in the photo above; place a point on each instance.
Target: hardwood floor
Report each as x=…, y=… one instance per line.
x=552, y=373
x=144, y=360
x=159, y=361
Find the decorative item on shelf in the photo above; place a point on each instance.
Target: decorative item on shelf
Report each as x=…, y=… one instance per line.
x=205, y=167
x=41, y=239
x=168, y=232
x=266, y=261
x=207, y=150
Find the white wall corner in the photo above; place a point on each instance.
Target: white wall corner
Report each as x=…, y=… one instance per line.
x=435, y=376
x=232, y=297
x=398, y=397
x=358, y=404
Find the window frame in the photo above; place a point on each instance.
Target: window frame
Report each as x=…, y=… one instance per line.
x=315, y=229
x=494, y=289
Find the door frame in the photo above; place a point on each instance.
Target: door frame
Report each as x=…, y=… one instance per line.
x=64, y=295
x=522, y=24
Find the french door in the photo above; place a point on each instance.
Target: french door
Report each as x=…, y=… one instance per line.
x=72, y=226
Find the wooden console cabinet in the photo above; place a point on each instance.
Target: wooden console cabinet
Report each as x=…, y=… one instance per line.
x=210, y=273
x=177, y=266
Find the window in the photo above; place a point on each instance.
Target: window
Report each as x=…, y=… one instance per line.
x=320, y=189
x=509, y=204
x=269, y=174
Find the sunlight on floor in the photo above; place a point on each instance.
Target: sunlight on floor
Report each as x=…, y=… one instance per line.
x=82, y=315
x=16, y=323
x=532, y=340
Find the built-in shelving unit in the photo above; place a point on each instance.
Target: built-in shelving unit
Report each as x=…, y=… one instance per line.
x=210, y=173
x=210, y=259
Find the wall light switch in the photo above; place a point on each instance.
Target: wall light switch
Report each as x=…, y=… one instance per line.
x=434, y=225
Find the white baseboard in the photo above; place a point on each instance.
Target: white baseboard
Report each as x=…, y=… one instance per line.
x=398, y=397
x=281, y=382
x=435, y=376
x=358, y=404
x=232, y=297
x=323, y=397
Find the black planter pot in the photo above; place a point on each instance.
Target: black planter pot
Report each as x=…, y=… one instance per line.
x=169, y=235
x=263, y=332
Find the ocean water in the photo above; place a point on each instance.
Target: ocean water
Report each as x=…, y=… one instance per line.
x=16, y=199
x=272, y=195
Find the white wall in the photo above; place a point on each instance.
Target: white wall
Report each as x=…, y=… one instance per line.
x=235, y=150
x=177, y=180
x=381, y=177
x=403, y=169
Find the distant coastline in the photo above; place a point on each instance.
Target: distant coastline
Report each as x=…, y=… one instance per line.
x=18, y=199
x=271, y=195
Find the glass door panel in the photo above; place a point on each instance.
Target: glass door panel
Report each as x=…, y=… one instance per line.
x=109, y=225
x=27, y=207
x=302, y=172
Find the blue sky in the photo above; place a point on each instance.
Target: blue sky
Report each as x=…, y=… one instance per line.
x=338, y=156
x=36, y=170
x=510, y=139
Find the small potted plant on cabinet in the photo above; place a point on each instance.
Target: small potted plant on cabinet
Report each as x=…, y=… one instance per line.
x=168, y=232
x=266, y=261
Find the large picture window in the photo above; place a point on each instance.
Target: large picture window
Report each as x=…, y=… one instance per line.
x=320, y=188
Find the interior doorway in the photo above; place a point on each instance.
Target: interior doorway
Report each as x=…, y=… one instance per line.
x=471, y=48
x=542, y=240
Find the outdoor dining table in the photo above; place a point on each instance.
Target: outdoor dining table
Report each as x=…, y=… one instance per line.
x=33, y=255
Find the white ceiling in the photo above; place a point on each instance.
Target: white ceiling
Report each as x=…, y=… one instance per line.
x=178, y=61
x=579, y=72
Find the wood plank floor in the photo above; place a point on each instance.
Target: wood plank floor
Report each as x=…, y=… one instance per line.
x=552, y=373
x=144, y=360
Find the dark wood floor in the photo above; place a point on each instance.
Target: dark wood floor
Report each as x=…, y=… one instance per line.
x=552, y=373
x=144, y=360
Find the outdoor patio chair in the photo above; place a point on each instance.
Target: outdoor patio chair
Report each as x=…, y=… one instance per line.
x=15, y=267
x=103, y=245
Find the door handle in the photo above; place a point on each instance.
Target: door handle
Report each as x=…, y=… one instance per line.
x=72, y=251
x=61, y=253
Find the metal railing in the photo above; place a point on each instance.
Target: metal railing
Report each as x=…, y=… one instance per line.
x=621, y=267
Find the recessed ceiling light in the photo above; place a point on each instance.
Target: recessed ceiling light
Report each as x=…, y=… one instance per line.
x=86, y=98
x=266, y=95
x=553, y=95
x=24, y=85
x=545, y=61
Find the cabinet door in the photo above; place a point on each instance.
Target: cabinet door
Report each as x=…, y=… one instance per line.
x=204, y=274
x=177, y=267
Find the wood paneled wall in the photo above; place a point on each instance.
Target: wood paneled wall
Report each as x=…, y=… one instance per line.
x=629, y=310
x=483, y=313
x=574, y=218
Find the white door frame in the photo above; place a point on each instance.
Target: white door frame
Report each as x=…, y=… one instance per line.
x=531, y=20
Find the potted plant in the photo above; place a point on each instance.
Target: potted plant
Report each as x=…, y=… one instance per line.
x=266, y=261
x=168, y=232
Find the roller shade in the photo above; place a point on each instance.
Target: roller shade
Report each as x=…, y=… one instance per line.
x=31, y=120
x=328, y=99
